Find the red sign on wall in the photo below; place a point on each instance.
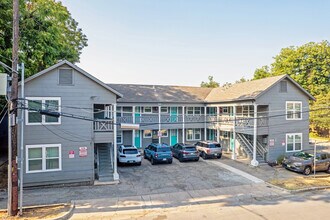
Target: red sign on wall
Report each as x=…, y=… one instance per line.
x=71, y=154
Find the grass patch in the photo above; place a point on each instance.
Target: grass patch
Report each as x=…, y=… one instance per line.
x=49, y=212
x=301, y=182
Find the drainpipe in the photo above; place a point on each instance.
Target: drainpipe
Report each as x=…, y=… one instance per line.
x=183, y=129
x=233, y=154
x=133, y=130
x=205, y=129
x=22, y=144
x=254, y=161
x=115, y=173
x=159, y=127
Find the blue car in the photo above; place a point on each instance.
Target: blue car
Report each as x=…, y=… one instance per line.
x=158, y=153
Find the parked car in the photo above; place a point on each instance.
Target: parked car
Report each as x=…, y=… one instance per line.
x=128, y=154
x=303, y=162
x=158, y=153
x=209, y=149
x=185, y=152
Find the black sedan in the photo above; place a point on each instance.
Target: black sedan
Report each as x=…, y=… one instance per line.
x=184, y=152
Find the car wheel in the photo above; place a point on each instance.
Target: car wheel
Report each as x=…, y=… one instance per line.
x=307, y=170
x=328, y=170
x=197, y=159
x=170, y=161
x=180, y=158
x=204, y=155
x=152, y=161
x=219, y=156
x=139, y=164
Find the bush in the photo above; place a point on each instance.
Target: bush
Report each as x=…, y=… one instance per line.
x=280, y=159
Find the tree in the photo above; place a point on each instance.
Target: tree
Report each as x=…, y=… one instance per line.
x=262, y=72
x=241, y=80
x=210, y=84
x=320, y=115
x=48, y=34
x=309, y=65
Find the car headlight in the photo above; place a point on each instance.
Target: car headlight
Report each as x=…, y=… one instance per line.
x=297, y=164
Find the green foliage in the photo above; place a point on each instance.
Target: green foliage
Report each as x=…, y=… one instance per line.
x=309, y=65
x=210, y=84
x=48, y=34
x=280, y=159
x=262, y=72
x=241, y=80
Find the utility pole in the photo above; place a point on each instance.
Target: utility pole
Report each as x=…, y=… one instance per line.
x=12, y=211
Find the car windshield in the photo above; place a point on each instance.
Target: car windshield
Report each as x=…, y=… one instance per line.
x=303, y=155
x=190, y=148
x=163, y=149
x=130, y=151
x=214, y=145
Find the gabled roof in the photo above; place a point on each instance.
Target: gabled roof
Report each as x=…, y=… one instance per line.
x=160, y=93
x=249, y=90
x=78, y=70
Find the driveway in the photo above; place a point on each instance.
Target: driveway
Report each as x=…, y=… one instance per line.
x=175, y=177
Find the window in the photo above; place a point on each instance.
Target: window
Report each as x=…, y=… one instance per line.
x=194, y=110
x=43, y=158
x=198, y=110
x=190, y=110
x=293, y=142
x=119, y=137
x=164, y=110
x=33, y=117
x=225, y=110
x=193, y=134
x=283, y=86
x=147, y=109
x=293, y=110
x=119, y=111
x=225, y=134
x=147, y=134
x=164, y=133
x=65, y=77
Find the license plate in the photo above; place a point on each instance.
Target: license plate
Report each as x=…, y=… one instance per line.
x=192, y=153
x=215, y=154
x=288, y=166
x=164, y=159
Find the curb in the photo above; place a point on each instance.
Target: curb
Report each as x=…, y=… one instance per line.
x=68, y=214
x=309, y=189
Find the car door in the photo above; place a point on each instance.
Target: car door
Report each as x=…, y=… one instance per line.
x=174, y=149
x=321, y=162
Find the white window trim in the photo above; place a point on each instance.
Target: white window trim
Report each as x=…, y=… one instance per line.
x=163, y=107
x=286, y=110
x=43, y=147
x=58, y=77
x=166, y=133
x=294, y=143
x=194, y=133
x=43, y=117
x=144, y=136
x=144, y=109
x=121, y=135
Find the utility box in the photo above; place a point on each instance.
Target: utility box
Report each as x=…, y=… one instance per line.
x=3, y=84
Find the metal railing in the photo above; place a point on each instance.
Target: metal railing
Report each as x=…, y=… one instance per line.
x=103, y=125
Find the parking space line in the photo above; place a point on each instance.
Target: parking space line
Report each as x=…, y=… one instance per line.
x=236, y=171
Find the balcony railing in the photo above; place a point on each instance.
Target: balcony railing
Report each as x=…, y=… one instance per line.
x=103, y=125
x=241, y=121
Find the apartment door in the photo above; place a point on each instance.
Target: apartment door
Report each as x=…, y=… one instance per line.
x=174, y=114
x=137, y=115
x=174, y=136
x=137, y=138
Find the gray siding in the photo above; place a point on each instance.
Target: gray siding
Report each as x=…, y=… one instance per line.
x=278, y=125
x=71, y=133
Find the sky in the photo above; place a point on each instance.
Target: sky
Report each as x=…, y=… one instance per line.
x=182, y=42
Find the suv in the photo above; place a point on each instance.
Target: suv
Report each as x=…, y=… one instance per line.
x=209, y=149
x=158, y=153
x=303, y=162
x=185, y=152
x=128, y=154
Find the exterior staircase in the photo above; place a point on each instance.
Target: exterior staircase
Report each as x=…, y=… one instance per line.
x=105, y=165
x=247, y=146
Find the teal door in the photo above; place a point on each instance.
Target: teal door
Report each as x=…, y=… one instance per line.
x=231, y=141
x=137, y=115
x=211, y=134
x=137, y=139
x=174, y=137
x=174, y=114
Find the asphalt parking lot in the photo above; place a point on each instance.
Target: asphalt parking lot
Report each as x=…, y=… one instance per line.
x=175, y=177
